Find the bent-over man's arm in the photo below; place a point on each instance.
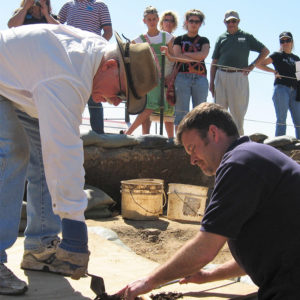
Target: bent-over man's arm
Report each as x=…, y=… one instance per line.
x=227, y=270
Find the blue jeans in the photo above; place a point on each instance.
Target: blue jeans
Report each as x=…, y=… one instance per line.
x=284, y=99
x=14, y=158
x=43, y=225
x=96, y=116
x=187, y=85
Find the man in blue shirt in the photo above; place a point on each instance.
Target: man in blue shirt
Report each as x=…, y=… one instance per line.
x=254, y=207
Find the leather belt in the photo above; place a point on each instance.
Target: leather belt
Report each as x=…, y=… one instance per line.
x=230, y=70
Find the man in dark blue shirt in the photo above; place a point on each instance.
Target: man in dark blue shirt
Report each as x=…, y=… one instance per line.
x=254, y=206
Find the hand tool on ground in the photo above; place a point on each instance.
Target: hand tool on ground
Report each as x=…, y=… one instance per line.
x=167, y=283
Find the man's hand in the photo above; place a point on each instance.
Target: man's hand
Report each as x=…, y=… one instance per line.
x=247, y=70
x=139, y=287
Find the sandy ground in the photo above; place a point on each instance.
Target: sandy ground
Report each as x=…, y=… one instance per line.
x=156, y=240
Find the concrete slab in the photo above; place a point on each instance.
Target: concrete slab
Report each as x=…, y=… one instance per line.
x=117, y=266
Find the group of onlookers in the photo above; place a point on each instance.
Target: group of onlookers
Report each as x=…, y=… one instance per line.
x=229, y=70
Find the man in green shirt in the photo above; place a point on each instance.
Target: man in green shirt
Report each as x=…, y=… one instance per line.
x=229, y=71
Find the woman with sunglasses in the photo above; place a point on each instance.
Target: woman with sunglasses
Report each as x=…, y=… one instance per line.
x=190, y=50
x=285, y=85
x=32, y=12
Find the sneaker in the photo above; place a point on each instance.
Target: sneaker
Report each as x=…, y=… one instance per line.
x=10, y=284
x=57, y=261
x=34, y=259
x=77, y=262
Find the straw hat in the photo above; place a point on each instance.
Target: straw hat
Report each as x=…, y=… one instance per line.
x=141, y=73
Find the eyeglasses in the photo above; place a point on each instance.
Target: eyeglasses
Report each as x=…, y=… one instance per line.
x=191, y=21
x=121, y=95
x=285, y=41
x=169, y=20
x=231, y=21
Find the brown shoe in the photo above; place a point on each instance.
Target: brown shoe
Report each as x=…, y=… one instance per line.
x=58, y=261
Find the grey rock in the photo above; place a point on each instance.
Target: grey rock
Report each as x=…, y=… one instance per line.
x=151, y=231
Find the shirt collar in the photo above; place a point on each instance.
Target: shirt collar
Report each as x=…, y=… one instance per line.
x=240, y=140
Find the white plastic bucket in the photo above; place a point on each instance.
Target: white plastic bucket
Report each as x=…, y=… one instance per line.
x=142, y=199
x=186, y=202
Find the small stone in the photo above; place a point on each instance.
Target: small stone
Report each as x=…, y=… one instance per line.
x=151, y=231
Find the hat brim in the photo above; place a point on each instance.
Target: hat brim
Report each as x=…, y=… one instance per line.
x=285, y=36
x=134, y=105
x=231, y=17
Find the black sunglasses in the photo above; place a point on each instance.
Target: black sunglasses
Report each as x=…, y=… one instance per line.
x=231, y=21
x=169, y=20
x=194, y=21
x=285, y=41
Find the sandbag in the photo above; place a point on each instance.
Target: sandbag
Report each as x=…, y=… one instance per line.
x=258, y=137
x=280, y=141
x=107, y=140
x=154, y=141
x=98, y=203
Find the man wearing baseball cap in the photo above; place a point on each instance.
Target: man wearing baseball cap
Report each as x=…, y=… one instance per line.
x=229, y=71
x=49, y=72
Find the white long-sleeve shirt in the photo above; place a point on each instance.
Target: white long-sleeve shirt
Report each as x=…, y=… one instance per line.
x=47, y=71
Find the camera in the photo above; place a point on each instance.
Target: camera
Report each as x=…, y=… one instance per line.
x=37, y=2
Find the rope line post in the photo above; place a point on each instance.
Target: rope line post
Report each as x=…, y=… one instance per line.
x=162, y=93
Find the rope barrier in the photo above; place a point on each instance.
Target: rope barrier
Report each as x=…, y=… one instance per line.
x=219, y=66
x=246, y=119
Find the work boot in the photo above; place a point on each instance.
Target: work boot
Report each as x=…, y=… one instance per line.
x=10, y=284
x=77, y=262
x=56, y=260
x=35, y=259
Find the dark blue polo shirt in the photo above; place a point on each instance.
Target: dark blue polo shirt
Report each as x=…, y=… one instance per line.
x=256, y=204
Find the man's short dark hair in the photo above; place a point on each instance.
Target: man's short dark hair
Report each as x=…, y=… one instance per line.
x=204, y=115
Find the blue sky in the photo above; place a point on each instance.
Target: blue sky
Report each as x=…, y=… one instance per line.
x=265, y=19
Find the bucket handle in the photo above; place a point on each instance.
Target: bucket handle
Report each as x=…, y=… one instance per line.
x=196, y=212
x=148, y=211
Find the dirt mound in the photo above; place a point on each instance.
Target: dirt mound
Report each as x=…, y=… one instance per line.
x=156, y=240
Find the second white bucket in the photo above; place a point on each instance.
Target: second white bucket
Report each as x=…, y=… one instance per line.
x=186, y=202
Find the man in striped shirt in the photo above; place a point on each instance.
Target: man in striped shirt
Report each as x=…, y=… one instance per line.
x=93, y=16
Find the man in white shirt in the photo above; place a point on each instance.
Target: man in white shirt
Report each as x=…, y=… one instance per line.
x=50, y=71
